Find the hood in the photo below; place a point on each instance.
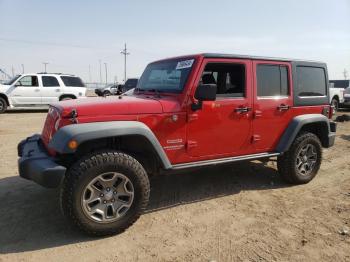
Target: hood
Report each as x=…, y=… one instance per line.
x=111, y=105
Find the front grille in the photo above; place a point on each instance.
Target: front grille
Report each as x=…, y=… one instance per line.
x=49, y=126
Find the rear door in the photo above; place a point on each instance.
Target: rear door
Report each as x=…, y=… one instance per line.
x=272, y=103
x=223, y=127
x=51, y=90
x=26, y=91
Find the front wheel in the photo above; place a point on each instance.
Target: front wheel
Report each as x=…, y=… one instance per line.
x=300, y=164
x=3, y=105
x=105, y=193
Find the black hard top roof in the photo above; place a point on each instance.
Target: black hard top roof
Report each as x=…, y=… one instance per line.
x=218, y=55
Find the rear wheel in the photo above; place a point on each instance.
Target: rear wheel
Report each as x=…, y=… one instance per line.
x=301, y=162
x=335, y=104
x=66, y=98
x=3, y=105
x=105, y=193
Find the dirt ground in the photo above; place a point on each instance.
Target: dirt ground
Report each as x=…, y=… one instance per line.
x=240, y=212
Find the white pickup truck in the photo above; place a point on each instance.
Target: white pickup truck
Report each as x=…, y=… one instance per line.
x=336, y=93
x=39, y=90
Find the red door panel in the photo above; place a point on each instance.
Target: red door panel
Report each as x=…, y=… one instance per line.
x=271, y=114
x=217, y=130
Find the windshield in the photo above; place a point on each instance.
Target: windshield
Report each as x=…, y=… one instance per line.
x=166, y=76
x=72, y=81
x=11, y=81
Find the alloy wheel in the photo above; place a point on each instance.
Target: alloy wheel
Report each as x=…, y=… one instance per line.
x=107, y=197
x=306, y=159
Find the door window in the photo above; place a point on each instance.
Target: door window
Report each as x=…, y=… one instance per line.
x=229, y=79
x=28, y=81
x=50, y=81
x=272, y=80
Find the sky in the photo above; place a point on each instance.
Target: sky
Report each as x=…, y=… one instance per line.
x=74, y=36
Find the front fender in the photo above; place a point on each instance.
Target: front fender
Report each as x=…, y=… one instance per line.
x=92, y=131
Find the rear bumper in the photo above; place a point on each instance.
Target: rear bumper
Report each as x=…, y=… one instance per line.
x=35, y=164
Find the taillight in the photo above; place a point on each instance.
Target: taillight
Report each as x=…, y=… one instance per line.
x=328, y=111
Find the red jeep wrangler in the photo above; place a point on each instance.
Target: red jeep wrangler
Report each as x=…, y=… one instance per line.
x=186, y=112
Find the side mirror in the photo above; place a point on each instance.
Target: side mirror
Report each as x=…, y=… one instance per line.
x=18, y=83
x=204, y=92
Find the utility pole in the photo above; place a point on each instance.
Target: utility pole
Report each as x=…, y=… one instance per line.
x=89, y=73
x=345, y=73
x=13, y=71
x=100, y=71
x=106, y=71
x=22, y=68
x=45, y=64
x=125, y=53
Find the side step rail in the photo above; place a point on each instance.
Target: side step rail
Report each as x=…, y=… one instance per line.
x=223, y=160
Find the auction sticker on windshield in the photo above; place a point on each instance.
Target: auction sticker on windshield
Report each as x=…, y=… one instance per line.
x=184, y=64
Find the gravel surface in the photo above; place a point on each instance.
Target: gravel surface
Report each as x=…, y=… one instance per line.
x=237, y=212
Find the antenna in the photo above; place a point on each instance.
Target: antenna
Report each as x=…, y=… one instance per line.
x=125, y=53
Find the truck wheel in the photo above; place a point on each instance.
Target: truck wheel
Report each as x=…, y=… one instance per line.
x=107, y=93
x=65, y=98
x=335, y=105
x=300, y=164
x=104, y=193
x=3, y=105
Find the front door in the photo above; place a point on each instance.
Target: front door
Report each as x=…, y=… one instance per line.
x=222, y=128
x=26, y=91
x=272, y=103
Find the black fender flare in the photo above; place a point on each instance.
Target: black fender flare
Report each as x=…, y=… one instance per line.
x=297, y=124
x=91, y=131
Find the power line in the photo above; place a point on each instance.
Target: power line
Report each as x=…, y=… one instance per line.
x=125, y=53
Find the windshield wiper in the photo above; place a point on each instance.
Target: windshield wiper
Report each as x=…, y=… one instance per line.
x=156, y=91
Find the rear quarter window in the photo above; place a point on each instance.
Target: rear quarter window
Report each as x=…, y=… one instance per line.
x=311, y=81
x=72, y=81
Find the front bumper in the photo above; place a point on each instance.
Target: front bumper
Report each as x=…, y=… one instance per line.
x=35, y=164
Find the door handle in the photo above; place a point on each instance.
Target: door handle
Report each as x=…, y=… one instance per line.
x=36, y=90
x=242, y=110
x=57, y=90
x=283, y=107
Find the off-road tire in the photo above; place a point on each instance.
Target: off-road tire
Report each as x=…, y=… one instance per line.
x=3, y=105
x=287, y=163
x=91, y=166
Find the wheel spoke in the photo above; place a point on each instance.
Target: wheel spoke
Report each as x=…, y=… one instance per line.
x=108, y=197
x=306, y=159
